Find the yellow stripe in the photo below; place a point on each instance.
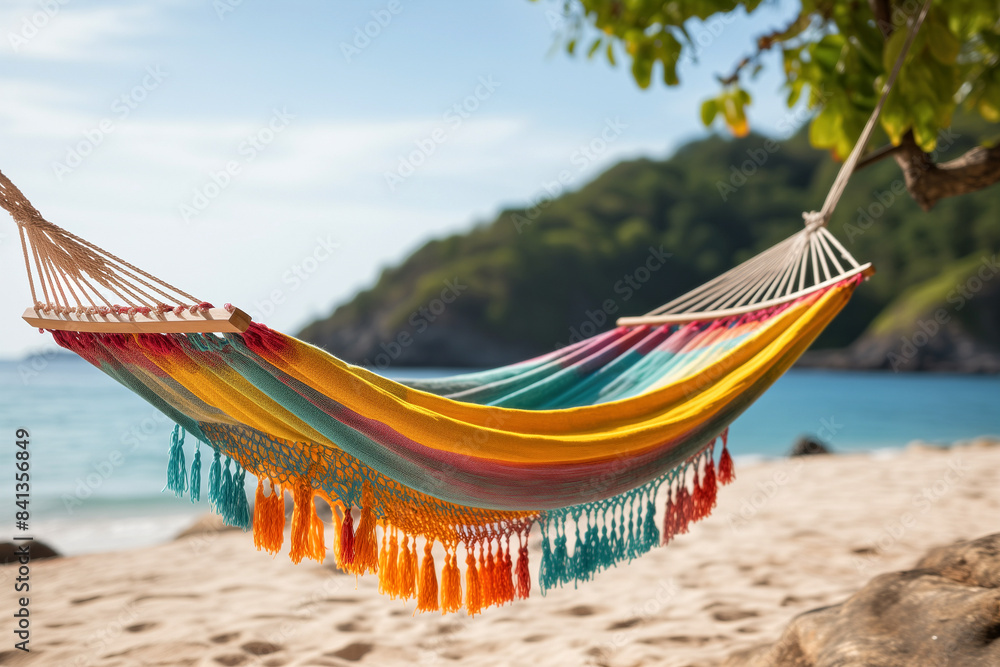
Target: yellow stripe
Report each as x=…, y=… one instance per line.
x=596, y=432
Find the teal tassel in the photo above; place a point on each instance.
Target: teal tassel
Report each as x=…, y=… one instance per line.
x=241, y=508
x=651, y=534
x=226, y=500
x=618, y=536
x=215, y=483
x=577, y=569
x=606, y=555
x=559, y=558
x=546, y=578
x=630, y=544
x=196, y=474
x=176, y=468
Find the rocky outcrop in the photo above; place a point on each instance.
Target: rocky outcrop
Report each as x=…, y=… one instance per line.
x=12, y=553
x=807, y=445
x=943, y=613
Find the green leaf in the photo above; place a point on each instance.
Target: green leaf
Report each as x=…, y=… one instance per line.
x=825, y=128
x=709, y=109
x=611, y=54
x=890, y=52
x=642, y=65
x=593, y=48
x=943, y=45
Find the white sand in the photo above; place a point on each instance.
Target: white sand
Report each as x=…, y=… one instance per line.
x=812, y=532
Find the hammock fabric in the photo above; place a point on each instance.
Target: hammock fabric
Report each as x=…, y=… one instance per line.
x=607, y=445
x=580, y=442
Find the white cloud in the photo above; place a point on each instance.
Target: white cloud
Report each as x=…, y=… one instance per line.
x=61, y=30
x=317, y=177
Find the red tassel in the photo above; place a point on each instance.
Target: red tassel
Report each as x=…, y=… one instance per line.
x=697, y=497
x=346, y=544
x=523, y=573
x=505, y=585
x=683, y=511
x=726, y=473
x=669, y=518
x=709, y=486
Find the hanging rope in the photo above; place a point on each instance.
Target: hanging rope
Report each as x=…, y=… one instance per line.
x=822, y=217
x=76, y=276
x=808, y=261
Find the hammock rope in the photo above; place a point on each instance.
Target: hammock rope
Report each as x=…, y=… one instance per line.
x=610, y=446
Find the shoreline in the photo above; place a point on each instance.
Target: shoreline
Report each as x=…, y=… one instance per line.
x=788, y=535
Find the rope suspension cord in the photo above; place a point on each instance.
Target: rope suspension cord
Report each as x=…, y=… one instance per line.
x=847, y=168
x=79, y=282
x=806, y=262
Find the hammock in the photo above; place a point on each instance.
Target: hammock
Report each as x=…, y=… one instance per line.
x=582, y=441
x=608, y=446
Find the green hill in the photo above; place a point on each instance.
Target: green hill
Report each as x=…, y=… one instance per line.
x=535, y=277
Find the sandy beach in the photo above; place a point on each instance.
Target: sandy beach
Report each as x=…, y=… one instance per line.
x=788, y=536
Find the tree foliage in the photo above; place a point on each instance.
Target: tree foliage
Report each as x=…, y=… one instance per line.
x=835, y=54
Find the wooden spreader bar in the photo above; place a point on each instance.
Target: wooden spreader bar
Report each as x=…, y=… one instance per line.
x=212, y=320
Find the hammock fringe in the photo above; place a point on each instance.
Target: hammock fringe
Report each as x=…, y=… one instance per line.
x=603, y=534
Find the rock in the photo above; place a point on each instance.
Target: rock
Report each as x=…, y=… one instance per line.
x=946, y=611
x=206, y=524
x=807, y=445
x=38, y=551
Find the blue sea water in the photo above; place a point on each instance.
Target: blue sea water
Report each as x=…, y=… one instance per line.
x=99, y=453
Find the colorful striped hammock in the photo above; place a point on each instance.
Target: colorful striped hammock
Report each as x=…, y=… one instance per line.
x=607, y=445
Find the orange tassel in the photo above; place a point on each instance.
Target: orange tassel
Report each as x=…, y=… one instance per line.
x=382, y=555
x=473, y=588
x=268, y=518
x=365, y=539
x=303, y=538
x=451, y=585
x=390, y=574
x=338, y=522
x=414, y=566
x=346, y=545
x=486, y=575
x=427, y=596
x=523, y=574
x=316, y=545
x=407, y=573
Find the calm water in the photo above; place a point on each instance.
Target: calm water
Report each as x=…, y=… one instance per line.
x=98, y=452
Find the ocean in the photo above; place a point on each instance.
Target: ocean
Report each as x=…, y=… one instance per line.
x=98, y=453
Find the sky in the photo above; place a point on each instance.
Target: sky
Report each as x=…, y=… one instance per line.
x=277, y=157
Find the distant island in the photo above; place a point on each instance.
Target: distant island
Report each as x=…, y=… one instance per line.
x=570, y=263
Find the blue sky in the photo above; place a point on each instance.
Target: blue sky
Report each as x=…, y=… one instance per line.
x=233, y=149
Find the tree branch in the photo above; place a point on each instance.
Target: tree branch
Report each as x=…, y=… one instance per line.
x=876, y=155
x=929, y=182
x=883, y=16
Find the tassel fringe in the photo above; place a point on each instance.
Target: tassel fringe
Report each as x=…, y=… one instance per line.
x=577, y=542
